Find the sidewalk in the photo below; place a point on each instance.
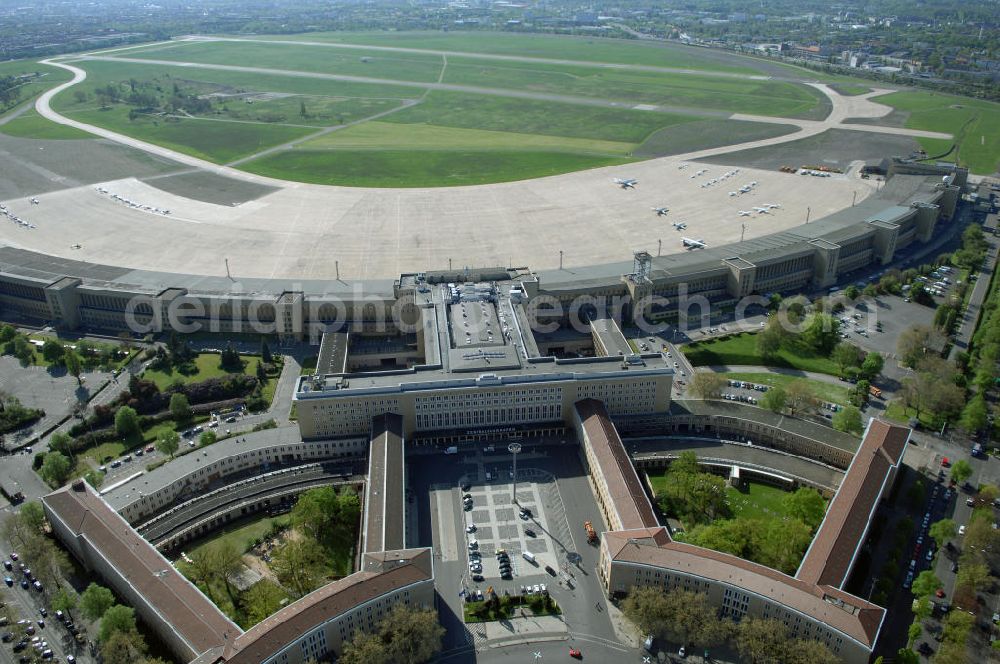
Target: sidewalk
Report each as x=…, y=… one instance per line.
x=529, y=629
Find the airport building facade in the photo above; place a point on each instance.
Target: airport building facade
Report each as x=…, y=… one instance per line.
x=912, y=207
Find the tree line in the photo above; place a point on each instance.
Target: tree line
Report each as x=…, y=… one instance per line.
x=688, y=617
x=700, y=501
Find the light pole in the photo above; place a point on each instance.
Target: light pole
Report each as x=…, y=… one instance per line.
x=514, y=448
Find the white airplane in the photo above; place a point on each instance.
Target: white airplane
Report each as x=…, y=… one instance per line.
x=660, y=211
x=680, y=225
x=682, y=167
x=744, y=189
x=692, y=244
x=753, y=184
x=745, y=213
x=627, y=183
x=761, y=210
x=771, y=206
x=702, y=171
x=732, y=193
x=34, y=201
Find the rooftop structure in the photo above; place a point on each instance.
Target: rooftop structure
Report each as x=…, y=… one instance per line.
x=384, y=521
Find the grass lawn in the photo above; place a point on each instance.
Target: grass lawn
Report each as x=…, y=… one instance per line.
x=427, y=137
x=897, y=412
x=417, y=67
x=588, y=49
x=761, y=501
x=826, y=391
x=206, y=81
x=762, y=97
x=420, y=168
x=703, y=134
x=32, y=125
x=103, y=451
x=218, y=141
x=526, y=116
x=742, y=349
x=974, y=123
x=243, y=534
x=851, y=89
x=207, y=365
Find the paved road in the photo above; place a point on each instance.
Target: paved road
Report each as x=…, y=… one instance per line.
x=653, y=448
x=755, y=368
x=970, y=317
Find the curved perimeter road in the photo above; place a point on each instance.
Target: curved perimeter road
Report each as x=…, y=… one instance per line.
x=842, y=108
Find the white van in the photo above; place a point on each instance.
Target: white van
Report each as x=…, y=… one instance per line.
x=529, y=556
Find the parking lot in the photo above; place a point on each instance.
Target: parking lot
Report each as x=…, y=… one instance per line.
x=505, y=540
x=553, y=485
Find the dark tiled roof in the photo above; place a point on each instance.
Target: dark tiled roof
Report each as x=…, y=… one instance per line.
x=194, y=618
x=382, y=574
x=831, y=553
x=628, y=497
x=384, y=513
x=849, y=615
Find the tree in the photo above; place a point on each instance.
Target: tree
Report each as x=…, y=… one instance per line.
x=168, y=443
x=852, y=292
x=52, y=351
x=117, y=618
x=265, y=352
x=23, y=351
x=61, y=442
x=691, y=495
x=261, y=600
x=680, y=615
x=807, y=505
x=412, y=636
x=770, y=339
x=761, y=640
x=917, y=342
x=707, y=384
x=942, y=531
x=846, y=355
x=974, y=575
x=179, y=407
x=975, y=415
x=123, y=647
x=808, y=651
x=925, y=583
x=95, y=600
x=207, y=438
x=364, y=648
x=127, y=423
x=872, y=365
x=907, y=656
x=774, y=399
x=55, y=468
x=315, y=511
x=848, y=419
x=961, y=470
x=300, y=565
x=94, y=478
x=821, y=332
x=230, y=360
x=73, y=364
x=65, y=600
x=799, y=396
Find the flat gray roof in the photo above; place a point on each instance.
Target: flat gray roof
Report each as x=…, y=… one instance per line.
x=534, y=371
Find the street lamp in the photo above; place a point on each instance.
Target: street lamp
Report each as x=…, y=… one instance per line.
x=514, y=448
